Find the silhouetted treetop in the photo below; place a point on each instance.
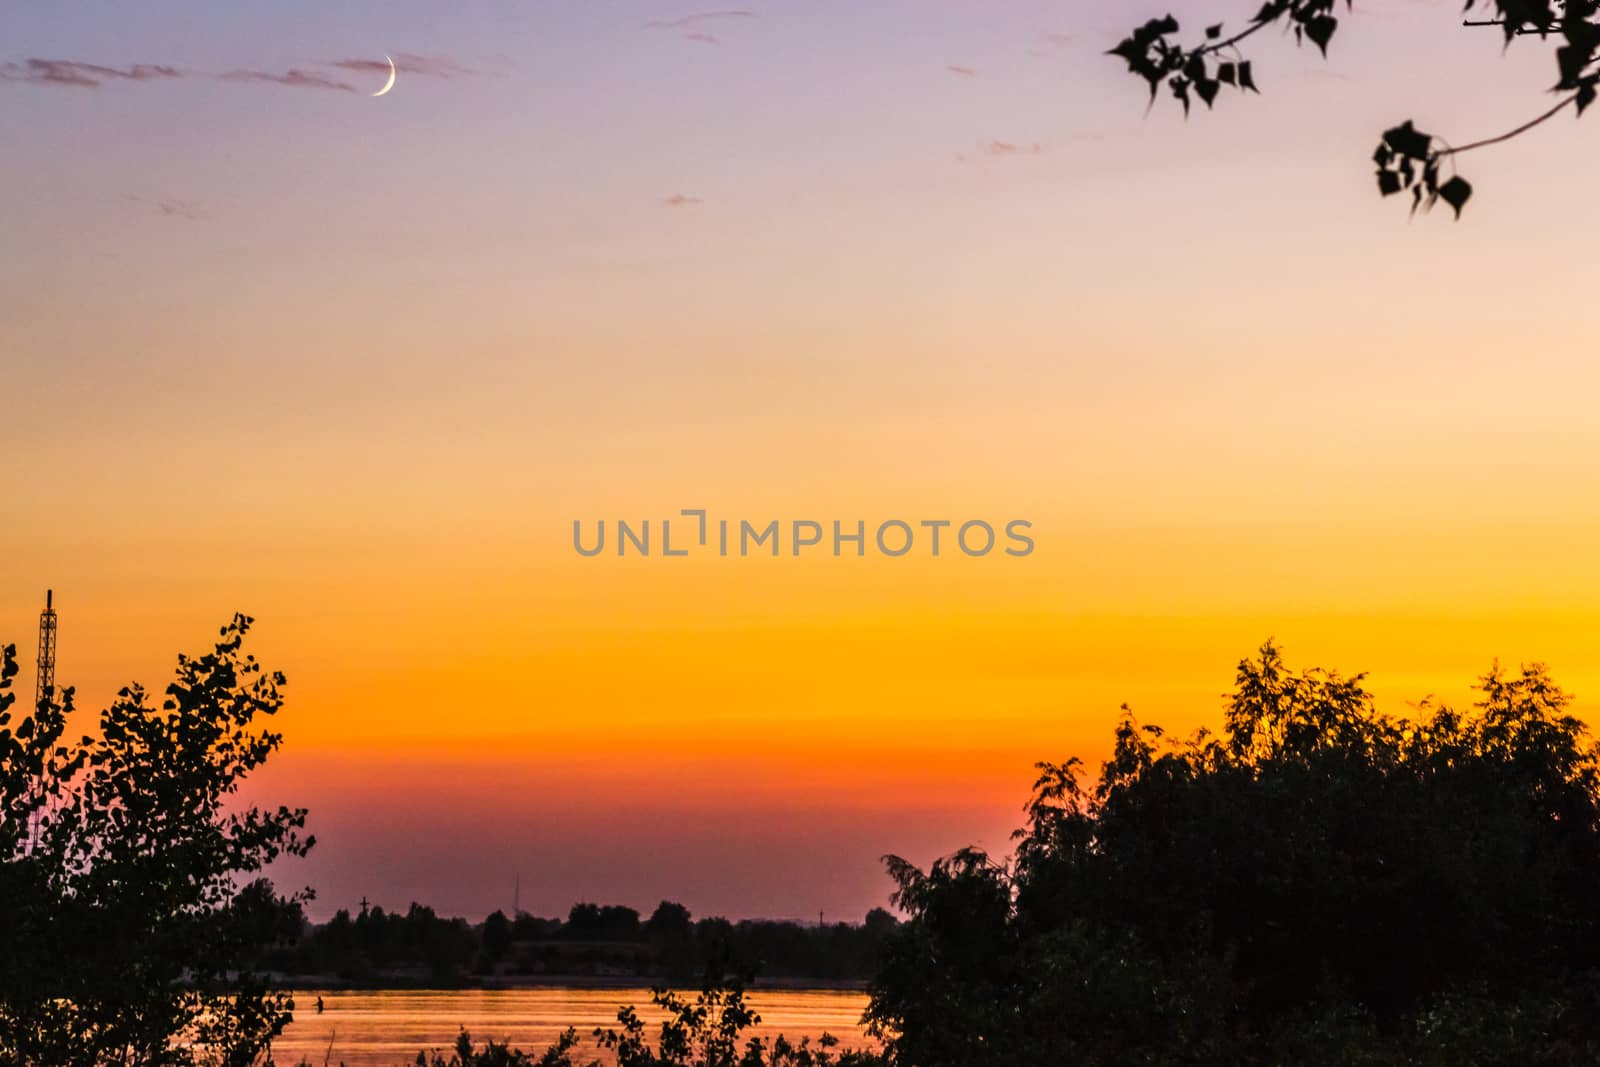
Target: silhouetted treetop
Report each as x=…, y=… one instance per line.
x=1320, y=882
x=129, y=870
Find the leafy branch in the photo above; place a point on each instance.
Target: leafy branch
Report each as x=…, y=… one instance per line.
x=1407, y=159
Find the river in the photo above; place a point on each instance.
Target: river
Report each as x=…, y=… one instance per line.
x=387, y=1028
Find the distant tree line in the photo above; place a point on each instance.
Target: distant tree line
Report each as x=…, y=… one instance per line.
x=375, y=947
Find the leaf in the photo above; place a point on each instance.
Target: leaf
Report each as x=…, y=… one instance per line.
x=1320, y=30
x=1388, y=182
x=1570, y=61
x=1246, y=78
x=1213, y=32
x=1407, y=140
x=1456, y=192
x=1227, y=74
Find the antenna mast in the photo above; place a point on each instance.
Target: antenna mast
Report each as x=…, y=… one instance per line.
x=46, y=687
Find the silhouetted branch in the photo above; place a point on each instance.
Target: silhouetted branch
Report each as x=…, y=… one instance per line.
x=1511, y=134
x=1408, y=160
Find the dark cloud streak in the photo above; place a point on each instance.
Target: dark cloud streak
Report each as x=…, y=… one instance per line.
x=407, y=63
x=69, y=72
x=170, y=207
x=298, y=79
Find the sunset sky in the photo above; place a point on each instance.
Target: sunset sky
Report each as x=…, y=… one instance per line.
x=355, y=365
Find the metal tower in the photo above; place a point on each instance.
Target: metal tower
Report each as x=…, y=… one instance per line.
x=46, y=688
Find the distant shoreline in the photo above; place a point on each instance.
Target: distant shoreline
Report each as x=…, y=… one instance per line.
x=312, y=983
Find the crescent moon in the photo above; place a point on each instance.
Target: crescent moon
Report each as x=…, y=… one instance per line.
x=390, y=84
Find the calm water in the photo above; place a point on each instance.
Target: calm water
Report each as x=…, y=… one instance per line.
x=386, y=1028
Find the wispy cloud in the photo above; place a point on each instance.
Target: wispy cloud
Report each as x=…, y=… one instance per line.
x=71, y=72
x=294, y=78
x=1010, y=148
x=170, y=207
x=681, y=200
x=697, y=19
x=1052, y=43
x=695, y=27
x=964, y=72
x=407, y=63
x=997, y=149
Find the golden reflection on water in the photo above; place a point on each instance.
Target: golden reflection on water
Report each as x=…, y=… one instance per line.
x=387, y=1028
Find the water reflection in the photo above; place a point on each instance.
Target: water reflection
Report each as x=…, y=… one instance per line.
x=386, y=1028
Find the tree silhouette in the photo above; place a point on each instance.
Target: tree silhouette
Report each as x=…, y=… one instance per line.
x=496, y=937
x=126, y=927
x=669, y=918
x=1322, y=883
x=1407, y=159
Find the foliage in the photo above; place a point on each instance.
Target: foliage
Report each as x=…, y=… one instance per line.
x=593, y=922
x=1321, y=883
x=707, y=1032
x=466, y=1054
x=122, y=858
x=1407, y=159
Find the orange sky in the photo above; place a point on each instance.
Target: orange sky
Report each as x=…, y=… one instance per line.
x=355, y=366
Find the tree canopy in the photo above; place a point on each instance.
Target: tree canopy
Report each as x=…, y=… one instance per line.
x=1320, y=883
x=125, y=861
x=1407, y=159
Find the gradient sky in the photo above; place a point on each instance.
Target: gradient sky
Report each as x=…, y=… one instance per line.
x=355, y=365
